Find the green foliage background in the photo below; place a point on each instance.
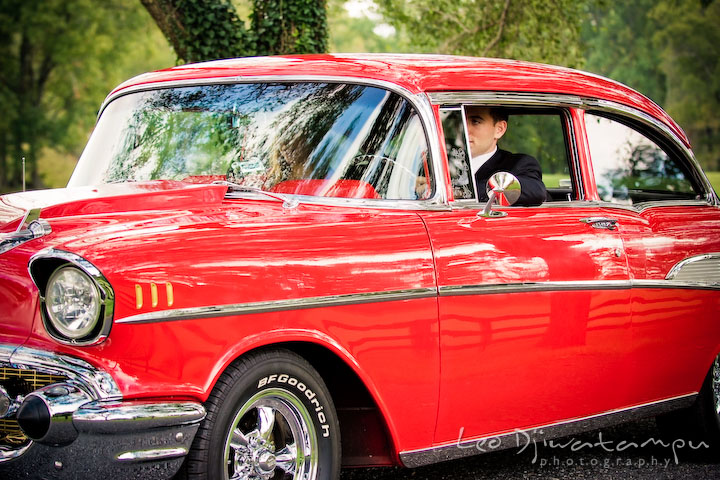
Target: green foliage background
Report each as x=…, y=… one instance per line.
x=59, y=58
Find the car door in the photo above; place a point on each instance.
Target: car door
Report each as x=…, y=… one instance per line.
x=670, y=223
x=534, y=305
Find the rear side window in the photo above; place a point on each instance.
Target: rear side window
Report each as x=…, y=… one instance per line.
x=632, y=168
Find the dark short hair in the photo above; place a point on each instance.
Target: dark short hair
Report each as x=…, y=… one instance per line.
x=498, y=114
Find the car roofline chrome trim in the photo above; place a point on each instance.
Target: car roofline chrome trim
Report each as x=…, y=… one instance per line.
x=270, y=306
x=280, y=305
x=419, y=101
x=98, y=383
x=520, y=438
x=537, y=99
x=525, y=99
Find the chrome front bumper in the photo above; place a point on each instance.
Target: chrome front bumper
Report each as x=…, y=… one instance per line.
x=79, y=426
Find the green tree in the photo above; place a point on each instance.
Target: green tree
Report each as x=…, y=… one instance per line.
x=619, y=43
x=58, y=59
x=201, y=30
x=539, y=30
x=670, y=51
x=358, y=34
x=687, y=39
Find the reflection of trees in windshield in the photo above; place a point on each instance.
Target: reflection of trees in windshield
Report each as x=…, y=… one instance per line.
x=263, y=134
x=319, y=129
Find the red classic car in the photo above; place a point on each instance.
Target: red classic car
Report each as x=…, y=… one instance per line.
x=275, y=267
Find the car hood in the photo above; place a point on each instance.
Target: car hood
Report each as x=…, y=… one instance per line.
x=126, y=197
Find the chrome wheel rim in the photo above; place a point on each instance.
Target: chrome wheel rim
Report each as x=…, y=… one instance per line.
x=271, y=438
x=716, y=384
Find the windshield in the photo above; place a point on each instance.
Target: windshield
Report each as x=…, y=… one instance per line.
x=322, y=139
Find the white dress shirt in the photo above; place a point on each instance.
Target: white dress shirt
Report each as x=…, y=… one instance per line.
x=477, y=162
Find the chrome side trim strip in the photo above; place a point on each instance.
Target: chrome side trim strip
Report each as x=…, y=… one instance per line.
x=524, y=437
x=454, y=291
x=213, y=311
x=97, y=383
x=278, y=305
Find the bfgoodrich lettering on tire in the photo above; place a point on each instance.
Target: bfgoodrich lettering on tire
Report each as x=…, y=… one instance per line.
x=270, y=416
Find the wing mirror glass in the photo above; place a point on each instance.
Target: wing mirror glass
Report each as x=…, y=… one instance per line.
x=503, y=188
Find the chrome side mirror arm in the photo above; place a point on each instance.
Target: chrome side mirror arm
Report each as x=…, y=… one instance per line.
x=502, y=188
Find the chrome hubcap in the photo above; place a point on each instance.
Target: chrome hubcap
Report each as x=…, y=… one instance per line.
x=272, y=438
x=716, y=384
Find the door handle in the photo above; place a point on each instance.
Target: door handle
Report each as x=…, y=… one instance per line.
x=601, y=222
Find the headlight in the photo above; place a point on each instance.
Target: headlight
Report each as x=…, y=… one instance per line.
x=72, y=302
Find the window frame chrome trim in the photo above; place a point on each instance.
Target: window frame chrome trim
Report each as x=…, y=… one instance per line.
x=501, y=441
x=567, y=126
x=419, y=101
x=588, y=104
x=278, y=306
x=107, y=294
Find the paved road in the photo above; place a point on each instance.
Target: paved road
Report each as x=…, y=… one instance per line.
x=610, y=454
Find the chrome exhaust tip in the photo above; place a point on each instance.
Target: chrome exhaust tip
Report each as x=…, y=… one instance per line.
x=45, y=415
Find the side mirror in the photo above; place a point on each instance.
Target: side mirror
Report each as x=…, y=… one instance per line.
x=503, y=188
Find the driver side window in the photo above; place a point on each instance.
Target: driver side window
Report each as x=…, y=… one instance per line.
x=536, y=133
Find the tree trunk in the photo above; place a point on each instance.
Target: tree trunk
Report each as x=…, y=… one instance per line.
x=290, y=26
x=169, y=21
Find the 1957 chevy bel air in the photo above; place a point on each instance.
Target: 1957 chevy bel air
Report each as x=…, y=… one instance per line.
x=271, y=268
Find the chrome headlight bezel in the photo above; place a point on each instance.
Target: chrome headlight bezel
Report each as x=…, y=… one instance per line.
x=46, y=266
x=74, y=318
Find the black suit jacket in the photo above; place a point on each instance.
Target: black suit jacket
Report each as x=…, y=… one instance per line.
x=524, y=167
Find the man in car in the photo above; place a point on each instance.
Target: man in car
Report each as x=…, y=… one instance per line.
x=485, y=126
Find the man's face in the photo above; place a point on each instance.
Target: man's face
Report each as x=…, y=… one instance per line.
x=483, y=131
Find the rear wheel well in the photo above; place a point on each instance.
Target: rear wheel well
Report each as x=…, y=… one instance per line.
x=364, y=434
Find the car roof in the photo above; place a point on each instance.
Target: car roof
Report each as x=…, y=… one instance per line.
x=419, y=73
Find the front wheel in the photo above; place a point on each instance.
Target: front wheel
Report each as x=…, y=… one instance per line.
x=270, y=416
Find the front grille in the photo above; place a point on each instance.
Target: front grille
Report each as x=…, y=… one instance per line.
x=19, y=381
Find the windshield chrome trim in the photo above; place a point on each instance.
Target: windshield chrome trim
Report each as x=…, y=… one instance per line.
x=419, y=101
x=279, y=305
x=525, y=436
